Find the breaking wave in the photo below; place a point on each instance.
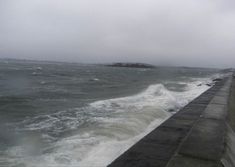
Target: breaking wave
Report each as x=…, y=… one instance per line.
x=102, y=130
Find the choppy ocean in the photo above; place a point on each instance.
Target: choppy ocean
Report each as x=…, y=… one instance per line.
x=74, y=115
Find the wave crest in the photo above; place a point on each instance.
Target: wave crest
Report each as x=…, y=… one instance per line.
x=106, y=128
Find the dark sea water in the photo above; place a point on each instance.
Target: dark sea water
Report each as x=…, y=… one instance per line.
x=67, y=115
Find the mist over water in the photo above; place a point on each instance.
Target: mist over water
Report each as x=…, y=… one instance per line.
x=60, y=114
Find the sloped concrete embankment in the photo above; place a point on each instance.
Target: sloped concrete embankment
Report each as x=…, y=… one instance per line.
x=199, y=135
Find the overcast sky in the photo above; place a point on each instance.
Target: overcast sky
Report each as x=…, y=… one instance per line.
x=164, y=32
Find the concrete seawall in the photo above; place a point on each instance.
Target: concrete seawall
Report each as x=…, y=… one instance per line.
x=199, y=135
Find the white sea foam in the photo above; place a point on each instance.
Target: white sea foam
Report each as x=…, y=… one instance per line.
x=115, y=125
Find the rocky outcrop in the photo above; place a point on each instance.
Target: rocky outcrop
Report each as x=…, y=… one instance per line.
x=131, y=65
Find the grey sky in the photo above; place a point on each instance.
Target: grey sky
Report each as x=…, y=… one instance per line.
x=172, y=32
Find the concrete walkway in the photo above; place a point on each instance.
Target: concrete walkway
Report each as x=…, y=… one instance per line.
x=193, y=137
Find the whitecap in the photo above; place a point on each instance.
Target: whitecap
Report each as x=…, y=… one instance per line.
x=113, y=126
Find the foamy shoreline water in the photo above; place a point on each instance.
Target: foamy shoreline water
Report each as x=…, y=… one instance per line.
x=131, y=118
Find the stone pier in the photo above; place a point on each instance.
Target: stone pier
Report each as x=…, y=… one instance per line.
x=196, y=136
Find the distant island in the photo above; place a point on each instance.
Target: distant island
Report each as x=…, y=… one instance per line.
x=131, y=65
